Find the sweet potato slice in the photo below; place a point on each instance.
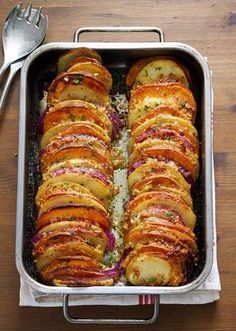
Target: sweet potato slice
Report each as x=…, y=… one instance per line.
x=47, y=190
x=156, y=69
x=60, y=200
x=83, y=212
x=91, y=233
x=160, y=150
x=163, y=232
x=73, y=247
x=166, y=133
x=96, y=70
x=72, y=111
x=161, y=183
x=144, y=200
x=157, y=168
x=159, y=111
x=98, y=184
x=73, y=140
x=66, y=59
x=166, y=120
x=78, y=151
x=86, y=129
x=148, y=97
x=77, y=86
x=62, y=129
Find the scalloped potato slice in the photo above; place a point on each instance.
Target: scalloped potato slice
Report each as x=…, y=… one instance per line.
x=151, y=167
x=60, y=200
x=96, y=70
x=157, y=69
x=167, y=133
x=75, y=247
x=75, y=151
x=174, y=202
x=87, y=129
x=60, y=128
x=160, y=120
x=161, y=71
x=100, y=190
x=160, y=183
x=47, y=189
x=158, y=149
x=161, y=231
x=148, y=97
x=91, y=233
x=153, y=265
x=82, y=211
x=72, y=111
x=66, y=59
x=77, y=86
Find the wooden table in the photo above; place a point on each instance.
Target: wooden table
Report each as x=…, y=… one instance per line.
x=210, y=27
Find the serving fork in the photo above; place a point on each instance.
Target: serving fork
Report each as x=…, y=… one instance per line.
x=24, y=30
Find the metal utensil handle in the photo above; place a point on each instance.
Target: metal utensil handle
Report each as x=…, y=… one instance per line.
x=13, y=70
x=110, y=320
x=119, y=29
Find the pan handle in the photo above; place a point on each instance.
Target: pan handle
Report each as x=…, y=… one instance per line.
x=119, y=29
x=76, y=320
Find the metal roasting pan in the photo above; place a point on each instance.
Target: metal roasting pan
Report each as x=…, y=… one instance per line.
x=115, y=54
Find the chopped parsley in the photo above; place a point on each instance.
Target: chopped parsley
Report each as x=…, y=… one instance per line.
x=72, y=117
x=169, y=214
x=152, y=279
x=77, y=80
x=138, y=82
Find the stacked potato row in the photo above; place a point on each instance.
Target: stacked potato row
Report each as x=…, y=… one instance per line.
x=163, y=167
x=72, y=229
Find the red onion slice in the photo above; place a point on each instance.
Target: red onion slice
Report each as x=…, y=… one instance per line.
x=111, y=239
x=115, y=121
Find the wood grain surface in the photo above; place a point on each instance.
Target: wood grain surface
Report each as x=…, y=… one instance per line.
x=210, y=27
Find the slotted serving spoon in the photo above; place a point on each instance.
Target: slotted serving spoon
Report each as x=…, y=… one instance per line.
x=24, y=30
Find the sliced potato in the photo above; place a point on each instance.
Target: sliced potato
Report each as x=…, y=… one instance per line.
x=61, y=168
x=167, y=133
x=96, y=70
x=155, y=167
x=148, y=97
x=160, y=111
x=60, y=128
x=156, y=70
x=144, y=200
x=74, y=247
x=60, y=200
x=159, y=120
x=83, y=59
x=161, y=183
x=153, y=264
x=66, y=59
x=47, y=190
x=75, y=151
x=162, y=231
x=83, y=212
x=86, y=129
x=92, y=234
x=72, y=111
x=77, y=86
x=156, y=148
x=63, y=142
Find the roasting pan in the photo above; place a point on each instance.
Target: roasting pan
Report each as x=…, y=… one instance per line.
x=115, y=55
